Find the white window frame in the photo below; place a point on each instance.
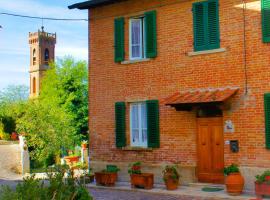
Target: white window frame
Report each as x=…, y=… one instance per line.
x=140, y=143
x=142, y=38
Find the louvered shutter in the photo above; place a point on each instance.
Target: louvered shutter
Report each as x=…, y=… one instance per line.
x=206, y=25
x=120, y=124
x=213, y=25
x=119, y=37
x=151, y=34
x=267, y=119
x=152, y=108
x=265, y=6
x=199, y=27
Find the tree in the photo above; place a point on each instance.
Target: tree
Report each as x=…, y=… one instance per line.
x=65, y=84
x=47, y=128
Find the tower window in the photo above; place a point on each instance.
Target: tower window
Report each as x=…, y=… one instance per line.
x=34, y=57
x=34, y=86
x=46, y=56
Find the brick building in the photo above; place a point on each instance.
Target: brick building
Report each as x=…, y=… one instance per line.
x=180, y=81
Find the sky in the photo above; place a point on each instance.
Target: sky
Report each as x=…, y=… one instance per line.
x=72, y=37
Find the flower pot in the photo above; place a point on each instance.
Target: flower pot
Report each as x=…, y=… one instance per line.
x=235, y=183
x=262, y=189
x=71, y=159
x=84, y=146
x=105, y=178
x=171, y=184
x=144, y=180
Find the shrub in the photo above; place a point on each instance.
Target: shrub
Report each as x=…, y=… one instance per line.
x=135, y=168
x=264, y=177
x=58, y=188
x=170, y=172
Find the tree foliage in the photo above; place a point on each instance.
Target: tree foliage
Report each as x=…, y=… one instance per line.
x=65, y=85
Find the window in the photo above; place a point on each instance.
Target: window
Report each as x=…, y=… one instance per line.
x=34, y=85
x=46, y=56
x=136, y=38
x=138, y=125
x=34, y=56
x=206, y=25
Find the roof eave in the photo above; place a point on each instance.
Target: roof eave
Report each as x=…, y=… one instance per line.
x=92, y=4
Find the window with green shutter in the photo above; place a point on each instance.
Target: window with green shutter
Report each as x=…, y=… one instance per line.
x=267, y=119
x=206, y=25
x=265, y=7
x=120, y=124
x=152, y=107
x=143, y=36
x=119, y=39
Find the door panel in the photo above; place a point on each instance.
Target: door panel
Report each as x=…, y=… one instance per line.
x=210, y=150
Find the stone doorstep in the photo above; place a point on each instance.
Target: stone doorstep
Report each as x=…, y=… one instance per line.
x=182, y=191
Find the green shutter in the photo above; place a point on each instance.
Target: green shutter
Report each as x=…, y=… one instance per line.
x=267, y=119
x=213, y=25
x=120, y=124
x=151, y=34
x=152, y=107
x=119, y=37
x=206, y=25
x=265, y=6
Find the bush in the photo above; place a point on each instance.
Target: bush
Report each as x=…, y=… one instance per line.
x=58, y=188
x=233, y=168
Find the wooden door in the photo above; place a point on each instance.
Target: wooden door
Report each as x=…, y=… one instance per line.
x=210, y=150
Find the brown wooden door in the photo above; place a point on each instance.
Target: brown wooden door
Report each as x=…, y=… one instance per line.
x=210, y=150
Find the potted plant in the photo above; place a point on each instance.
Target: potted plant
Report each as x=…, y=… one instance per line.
x=139, y=179
x=84, y=144
x=262, y=184
x=234, y=180
x=108, y=176
x=171, y=177
x=72, y=158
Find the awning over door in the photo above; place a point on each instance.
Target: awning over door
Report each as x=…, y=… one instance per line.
x=186, y=100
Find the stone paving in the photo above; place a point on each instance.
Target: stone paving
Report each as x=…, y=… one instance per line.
x=122, y=191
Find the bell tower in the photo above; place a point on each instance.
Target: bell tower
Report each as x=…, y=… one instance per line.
x=42, y=47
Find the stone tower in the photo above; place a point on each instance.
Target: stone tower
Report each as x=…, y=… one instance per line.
x=42, y=46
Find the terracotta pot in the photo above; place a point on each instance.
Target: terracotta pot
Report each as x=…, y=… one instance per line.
x=105, y=178
x=71, y=159
x=84, y=146
x=171, y=184
x=144, y=180
x=262, y=189
x=235, y=184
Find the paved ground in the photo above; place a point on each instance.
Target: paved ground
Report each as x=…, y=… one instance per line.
x=9, y=163
x=122, y=191
x=110, y=194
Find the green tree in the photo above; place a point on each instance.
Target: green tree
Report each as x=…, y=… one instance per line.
x=47, y=127
x=65, y=84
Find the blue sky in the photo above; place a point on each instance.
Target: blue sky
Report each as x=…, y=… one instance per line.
x=14, y=50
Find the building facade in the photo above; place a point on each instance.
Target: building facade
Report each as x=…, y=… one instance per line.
x=180, y=81
x=42, y=48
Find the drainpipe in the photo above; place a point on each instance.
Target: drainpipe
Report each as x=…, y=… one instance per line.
x=245, y=46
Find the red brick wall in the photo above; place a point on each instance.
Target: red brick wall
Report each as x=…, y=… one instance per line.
x=174, y=70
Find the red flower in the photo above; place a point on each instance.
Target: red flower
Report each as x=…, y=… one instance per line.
x=267, y=178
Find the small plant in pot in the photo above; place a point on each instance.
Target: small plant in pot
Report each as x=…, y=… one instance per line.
x=234, y=180
x=84, y=144
x=171, y=177
x=262, y=184
x=139, y=179
x=108, y=176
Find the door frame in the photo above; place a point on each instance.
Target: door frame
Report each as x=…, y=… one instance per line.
x=220, y=118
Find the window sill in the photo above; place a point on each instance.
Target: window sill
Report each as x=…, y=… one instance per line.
x=196, y=53
x=135, y=61
x=137, y=149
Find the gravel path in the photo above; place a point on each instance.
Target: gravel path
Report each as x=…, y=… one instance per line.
x=9, y=162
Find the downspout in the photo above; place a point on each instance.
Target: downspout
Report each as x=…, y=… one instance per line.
x=245, y=47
